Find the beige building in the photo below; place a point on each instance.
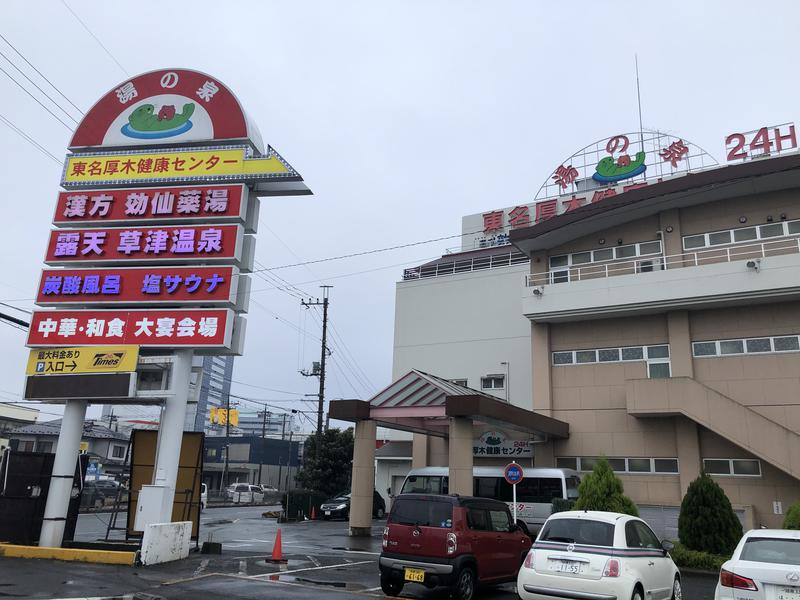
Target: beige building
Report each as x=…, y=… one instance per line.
x=664, y=330
x=659, y=328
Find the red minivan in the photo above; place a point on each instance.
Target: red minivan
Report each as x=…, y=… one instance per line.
x=453, y=541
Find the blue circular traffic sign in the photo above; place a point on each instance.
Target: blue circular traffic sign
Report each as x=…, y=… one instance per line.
x=513, y=473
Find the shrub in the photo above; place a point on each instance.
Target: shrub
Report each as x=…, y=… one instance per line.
x=707, y=522
x=602, y=490
x=694, y=559
x=561, y=505
x=792, y=520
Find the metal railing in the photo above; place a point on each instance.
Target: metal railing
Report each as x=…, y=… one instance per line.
x=748, y=251
x=466, y=265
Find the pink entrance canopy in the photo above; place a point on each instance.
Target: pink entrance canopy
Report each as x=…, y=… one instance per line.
x=424, y=403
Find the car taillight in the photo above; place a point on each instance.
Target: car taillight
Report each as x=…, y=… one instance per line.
x=732, y=580
x=385, y=537
x=612, y=568
x=528, y=564
x=452, y=543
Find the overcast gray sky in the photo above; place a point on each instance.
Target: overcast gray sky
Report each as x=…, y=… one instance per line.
x=401, y=117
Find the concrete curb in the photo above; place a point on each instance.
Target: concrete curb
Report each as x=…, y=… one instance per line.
x=106, y=557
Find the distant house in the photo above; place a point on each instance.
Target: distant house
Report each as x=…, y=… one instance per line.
x=107, y=447
x=13, y=416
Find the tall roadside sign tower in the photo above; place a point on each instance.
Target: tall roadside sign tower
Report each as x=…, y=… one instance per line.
x=152, y=244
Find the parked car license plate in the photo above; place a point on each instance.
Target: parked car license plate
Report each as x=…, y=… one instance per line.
x=417, y=575
x=327, y=513
x=566, y=566
x=787, y=593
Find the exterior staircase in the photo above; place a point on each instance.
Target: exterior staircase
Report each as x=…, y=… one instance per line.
x=766, y=439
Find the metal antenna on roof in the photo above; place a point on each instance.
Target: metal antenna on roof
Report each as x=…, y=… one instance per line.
x=639, y=100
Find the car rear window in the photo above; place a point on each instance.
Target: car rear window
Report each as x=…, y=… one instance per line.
x=772, y=550
x=578, y=531
x=428, y=513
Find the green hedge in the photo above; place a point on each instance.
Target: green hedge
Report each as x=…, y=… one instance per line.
x=792, y=520
x=562, y=505
x=301, y=502
x=695, y=559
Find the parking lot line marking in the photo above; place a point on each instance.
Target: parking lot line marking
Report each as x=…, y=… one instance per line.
x=242, y=567
x=314, y=560
x=268, y=575
x=237, y=545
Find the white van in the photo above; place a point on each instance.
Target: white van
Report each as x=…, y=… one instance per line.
x=535, y=493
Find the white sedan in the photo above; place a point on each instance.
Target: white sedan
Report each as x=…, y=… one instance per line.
x=593, y=555
x=764, y=566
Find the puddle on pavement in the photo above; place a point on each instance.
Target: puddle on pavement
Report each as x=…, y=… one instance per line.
x=343, y=585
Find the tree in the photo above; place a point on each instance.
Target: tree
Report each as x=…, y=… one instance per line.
x=331, y=474
x=602, y=490
x=792, y=520
x=707, y=522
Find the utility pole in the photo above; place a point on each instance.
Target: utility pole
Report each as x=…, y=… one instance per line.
x=261, y=448
x=227, y=440
x=323, y=357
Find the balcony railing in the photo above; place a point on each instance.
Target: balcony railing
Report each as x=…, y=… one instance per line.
x=750, y=251
x=466, y=265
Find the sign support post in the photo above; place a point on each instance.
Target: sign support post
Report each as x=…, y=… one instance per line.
x=170, y=434
x=513, y=474
x=58, y=497
x=514, y=499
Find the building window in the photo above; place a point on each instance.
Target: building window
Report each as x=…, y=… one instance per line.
x=734, y=467
x=659, y=369
x=44, y=447
x=567, y=462
x=25, y=446
x=742, y=234
x=493, y=382
x=657, y=357
x=459, y=382
x=211, y=452
x=759, y=345
x=632, y=465
x=560, y=265
x=118, y=452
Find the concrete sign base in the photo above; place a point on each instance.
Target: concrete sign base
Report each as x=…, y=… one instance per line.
x=165, y=542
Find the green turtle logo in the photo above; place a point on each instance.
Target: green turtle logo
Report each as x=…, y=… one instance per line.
x=609, y=170
x=145, y=124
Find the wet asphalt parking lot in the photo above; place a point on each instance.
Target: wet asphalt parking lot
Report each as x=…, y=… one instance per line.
x=322, y=562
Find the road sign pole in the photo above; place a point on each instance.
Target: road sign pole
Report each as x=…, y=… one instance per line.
x=514, y=497
x=58, y=496
x=170, y=433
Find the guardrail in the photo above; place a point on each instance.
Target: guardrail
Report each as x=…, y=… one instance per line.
x=750, y=251
x=466, y=265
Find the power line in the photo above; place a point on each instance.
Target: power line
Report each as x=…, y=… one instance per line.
x=52, y=85
x=96, y=39
x=22, y=310
x=34, y=84
x=29, y=139
x=366, y=252
x=24, y=89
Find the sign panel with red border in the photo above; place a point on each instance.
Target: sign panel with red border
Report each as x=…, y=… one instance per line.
x=513, y=473
x=138, y=285
x=166, y=106
x=207, y=243
x=209, y=203
x=204, y=328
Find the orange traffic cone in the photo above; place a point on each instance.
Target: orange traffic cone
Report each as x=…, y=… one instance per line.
x=277, y=553
x=313, y=513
